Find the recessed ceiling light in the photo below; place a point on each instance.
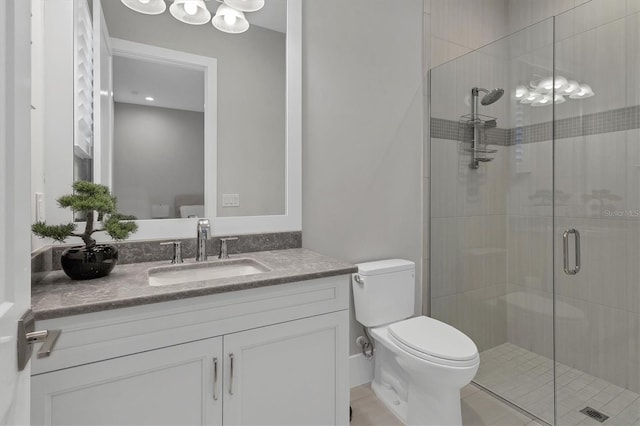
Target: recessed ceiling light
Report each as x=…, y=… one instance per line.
x=149, y=98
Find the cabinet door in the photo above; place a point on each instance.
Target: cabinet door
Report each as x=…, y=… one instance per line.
x=294, y=373
x=169, y=386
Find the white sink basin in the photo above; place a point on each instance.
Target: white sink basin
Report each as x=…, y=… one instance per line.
x=180, y=274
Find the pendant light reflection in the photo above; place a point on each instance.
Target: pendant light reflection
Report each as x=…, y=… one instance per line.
x=245, y=5
x=540, y=92
x=192, y=12
x=230, y=20
x=148, y=7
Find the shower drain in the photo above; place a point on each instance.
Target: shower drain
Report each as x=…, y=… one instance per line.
x=594, y=414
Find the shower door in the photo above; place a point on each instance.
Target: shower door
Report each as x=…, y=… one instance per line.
x=535, y=250
x=596, y=214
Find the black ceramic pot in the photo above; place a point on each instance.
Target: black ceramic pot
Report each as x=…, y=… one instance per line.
x=81, y=263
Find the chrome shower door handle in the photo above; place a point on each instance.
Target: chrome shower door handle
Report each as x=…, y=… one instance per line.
x=565, y=244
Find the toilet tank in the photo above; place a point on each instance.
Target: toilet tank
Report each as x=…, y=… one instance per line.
x=383, y=291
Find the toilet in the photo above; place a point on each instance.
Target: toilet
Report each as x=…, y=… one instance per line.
x=420, y=363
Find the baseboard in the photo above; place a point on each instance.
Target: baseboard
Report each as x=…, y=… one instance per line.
x=360, y=370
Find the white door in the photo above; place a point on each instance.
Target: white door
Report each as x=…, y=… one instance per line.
x=15, y=235
x=294, y=373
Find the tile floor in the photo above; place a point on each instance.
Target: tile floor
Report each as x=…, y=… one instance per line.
x=478, y=409
x=526, y=379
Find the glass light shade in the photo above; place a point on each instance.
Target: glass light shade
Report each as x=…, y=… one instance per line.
x=521, y=92
x=559, y=99
x=547, y=85
x=192, y=12
x=148, y=7
x=230, y=20
x=585, y=92
x=531, y=98
x=245, y=5
x=572, y=87
x=543, y=101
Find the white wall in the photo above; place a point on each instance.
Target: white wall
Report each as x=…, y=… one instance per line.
x=362, y=131
x=158, y=155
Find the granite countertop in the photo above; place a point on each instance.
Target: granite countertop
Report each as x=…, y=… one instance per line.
x=56, y=295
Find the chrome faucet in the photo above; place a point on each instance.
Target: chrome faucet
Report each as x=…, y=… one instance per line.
x=224, y=253
x=202, y=235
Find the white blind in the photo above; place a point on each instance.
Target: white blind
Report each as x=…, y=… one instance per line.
x=83, y=81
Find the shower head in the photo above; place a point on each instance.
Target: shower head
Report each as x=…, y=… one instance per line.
x=491, y=96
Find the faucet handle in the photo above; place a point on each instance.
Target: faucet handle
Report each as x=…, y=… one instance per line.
x=224, y=254
x=177, y=251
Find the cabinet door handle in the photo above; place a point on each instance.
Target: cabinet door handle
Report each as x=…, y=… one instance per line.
x=215, y=379
x=231, y=374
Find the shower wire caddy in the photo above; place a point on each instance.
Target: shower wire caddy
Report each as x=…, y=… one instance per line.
x=472, y=128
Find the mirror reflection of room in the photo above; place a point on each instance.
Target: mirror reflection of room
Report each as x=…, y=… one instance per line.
x=158, y=152
x=250, y=128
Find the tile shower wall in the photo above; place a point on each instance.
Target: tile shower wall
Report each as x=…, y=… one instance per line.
x=469, y=206
x=451, y=29
x=597, y=192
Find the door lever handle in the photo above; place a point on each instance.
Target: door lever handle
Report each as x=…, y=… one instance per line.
x=49, y=337
x=27, y=336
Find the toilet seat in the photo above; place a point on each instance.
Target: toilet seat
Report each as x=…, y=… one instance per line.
x=434, y=341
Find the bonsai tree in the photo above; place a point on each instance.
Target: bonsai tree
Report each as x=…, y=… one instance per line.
x=88, y=199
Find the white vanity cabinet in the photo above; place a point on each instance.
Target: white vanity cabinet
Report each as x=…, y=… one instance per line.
x=168, y=386
x=267, y=356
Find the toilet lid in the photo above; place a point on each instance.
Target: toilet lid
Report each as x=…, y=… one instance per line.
x=432, y=337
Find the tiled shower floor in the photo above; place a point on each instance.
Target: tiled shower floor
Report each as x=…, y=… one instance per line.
x=526, y=379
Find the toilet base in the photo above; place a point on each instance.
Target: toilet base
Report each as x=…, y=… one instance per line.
x=391, y=400
x=438, y=407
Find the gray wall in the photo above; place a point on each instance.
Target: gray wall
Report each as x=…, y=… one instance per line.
x=251, y=101
x=157, y=154
x=362, y=131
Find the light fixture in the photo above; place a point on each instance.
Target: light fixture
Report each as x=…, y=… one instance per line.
x=521, y=92
x=230, y=20
x=584, y=92
x=148, y=7
x=547, y=85
x=542, y=101
x=229, y=16
x=149, y=98
x=192, y=12
x=245, y=5
x=572, y=87
x=559, y=99
x=539, y=92
x=531, y=97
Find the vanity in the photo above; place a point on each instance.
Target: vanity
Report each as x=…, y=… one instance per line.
x=268, y=347
x=261, y=342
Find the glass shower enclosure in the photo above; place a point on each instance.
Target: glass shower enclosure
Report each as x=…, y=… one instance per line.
x=535, y=213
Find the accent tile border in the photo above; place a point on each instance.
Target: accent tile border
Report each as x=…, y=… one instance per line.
x=455, y=130
x=48, y=258
x=615, y=120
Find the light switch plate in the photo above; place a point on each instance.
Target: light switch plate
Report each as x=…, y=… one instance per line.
x=40, y=217
x=230, y=200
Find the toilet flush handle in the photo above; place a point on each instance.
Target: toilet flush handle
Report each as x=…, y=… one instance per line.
x=357, y=278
